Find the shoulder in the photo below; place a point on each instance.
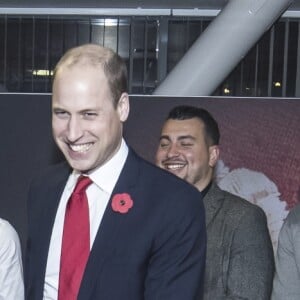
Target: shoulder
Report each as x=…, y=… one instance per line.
x=237, y=208
x=166, y=180
x=164, y=187
x=9, y=239
x=293, y=218
x=291, y=225
x=52, y=173
x=237, y=203
x=153, y=174
x=53, y=169
x=7, y=231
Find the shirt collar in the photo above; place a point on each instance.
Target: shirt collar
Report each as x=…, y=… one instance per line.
x=206, y=189
x=106, y=176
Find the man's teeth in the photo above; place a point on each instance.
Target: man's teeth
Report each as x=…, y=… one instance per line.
x=175, y=167
x=81, y=148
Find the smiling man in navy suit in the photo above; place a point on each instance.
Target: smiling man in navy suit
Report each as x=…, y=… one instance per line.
x=146, y=227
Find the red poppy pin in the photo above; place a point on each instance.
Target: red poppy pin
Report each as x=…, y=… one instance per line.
x=121, y=203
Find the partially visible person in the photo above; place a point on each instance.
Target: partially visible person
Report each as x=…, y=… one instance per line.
x=11, y=271
x=257, y=188
x=240, y=262
x=136, y=239
x=286, y=284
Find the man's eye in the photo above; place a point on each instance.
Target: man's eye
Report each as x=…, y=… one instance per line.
x=89, y=115
x=164, y=145
x=61, y=113
x=186, y=144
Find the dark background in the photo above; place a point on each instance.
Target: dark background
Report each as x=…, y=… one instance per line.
x=259, y=134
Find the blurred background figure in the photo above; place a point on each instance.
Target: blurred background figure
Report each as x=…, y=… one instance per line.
x=257, y=188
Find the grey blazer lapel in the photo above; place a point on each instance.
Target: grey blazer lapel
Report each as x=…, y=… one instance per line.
x=212, y=203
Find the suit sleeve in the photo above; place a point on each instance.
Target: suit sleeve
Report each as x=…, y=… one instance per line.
x=251, y=262
x=176, y=268
x=286, y=283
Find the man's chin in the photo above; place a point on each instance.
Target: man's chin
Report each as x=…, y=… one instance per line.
x=178, y=173
x=81, y=167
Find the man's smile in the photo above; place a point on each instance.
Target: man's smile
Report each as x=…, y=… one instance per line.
x=80, y=148
x=173, y=166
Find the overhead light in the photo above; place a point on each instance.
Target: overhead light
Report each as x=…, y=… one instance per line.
x=42, y=72
x=111, y=22
x=277, y=84
x=226, y=91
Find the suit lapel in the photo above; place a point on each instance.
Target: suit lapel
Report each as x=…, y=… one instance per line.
x=106, y=238
x=212, y=203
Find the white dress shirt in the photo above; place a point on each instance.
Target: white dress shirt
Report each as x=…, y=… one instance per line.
x=11, y=271
x=98, y=194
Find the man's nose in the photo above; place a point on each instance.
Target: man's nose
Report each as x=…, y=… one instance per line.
x=173, y=151
x=75, y=129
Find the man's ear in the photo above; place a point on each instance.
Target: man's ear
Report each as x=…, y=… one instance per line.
x=123, y=107
x=214, y=152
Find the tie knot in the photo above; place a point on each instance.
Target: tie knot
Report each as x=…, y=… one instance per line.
x=82, y=183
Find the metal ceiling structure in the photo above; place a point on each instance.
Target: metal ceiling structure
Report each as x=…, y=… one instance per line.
x=197, y=8
x=227, y=39
x=152, y=7
x=167, y=4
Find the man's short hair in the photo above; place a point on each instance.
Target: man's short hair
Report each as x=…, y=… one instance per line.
x=185, y=112
x=94, y=55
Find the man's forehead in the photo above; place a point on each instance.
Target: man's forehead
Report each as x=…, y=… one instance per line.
x=184, y=126
x=177, y=134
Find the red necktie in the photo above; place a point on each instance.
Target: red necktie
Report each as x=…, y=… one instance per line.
x=75, y=242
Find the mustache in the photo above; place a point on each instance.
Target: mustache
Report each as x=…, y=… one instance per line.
x=173, y=161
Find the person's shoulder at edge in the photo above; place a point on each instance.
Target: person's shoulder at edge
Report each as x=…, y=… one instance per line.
x=51, y=172
x=8, y=235
x=169, y=183
x=163, y=172
x=235, y=202
x=293, y=217
x=290, y=229
x=11, y=269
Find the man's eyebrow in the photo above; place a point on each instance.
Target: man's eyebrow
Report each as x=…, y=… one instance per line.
x=181, y=137
x=165, y=137
x=185, y=137
x=88, y=110
x=57, y=108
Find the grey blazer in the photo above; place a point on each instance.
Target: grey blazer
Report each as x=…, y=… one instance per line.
x=240, y=261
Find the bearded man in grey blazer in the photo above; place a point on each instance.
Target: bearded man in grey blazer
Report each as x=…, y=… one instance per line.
x=239, y=262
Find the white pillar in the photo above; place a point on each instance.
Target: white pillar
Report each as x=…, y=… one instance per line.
x=221, y=46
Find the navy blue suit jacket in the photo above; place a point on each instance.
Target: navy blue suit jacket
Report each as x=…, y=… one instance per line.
x=155, y=251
